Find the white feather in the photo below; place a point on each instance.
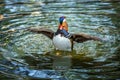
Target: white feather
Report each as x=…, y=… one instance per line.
x=62, y=43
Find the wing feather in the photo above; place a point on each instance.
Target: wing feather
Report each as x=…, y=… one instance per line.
x=84, y=37
x=75, y=37
x=47, y=32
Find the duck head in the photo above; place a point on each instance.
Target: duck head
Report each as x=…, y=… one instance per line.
x=63, y=24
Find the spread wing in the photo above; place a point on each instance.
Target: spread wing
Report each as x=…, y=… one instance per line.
x=84, y=37
x=47, y=32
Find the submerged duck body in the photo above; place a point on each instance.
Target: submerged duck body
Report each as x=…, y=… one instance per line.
x=63, y=40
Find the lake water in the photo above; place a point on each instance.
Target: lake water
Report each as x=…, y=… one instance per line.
x=23, y=52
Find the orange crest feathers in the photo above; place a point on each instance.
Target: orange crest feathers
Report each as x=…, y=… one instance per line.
x=65, y=25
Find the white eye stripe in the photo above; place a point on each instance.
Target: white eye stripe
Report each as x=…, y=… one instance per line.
x=64, y=20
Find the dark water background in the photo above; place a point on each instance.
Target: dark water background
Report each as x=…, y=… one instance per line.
x=91, y=60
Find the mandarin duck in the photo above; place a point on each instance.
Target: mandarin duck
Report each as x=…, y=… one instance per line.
x=62, y=39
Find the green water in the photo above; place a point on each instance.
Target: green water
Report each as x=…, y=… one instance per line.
x=91, y=60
